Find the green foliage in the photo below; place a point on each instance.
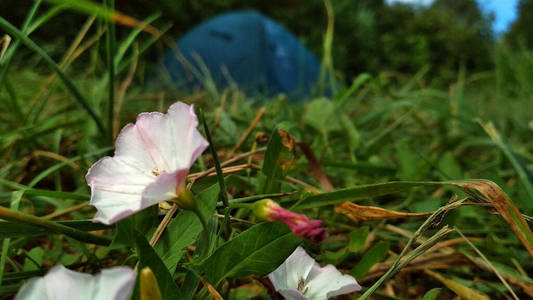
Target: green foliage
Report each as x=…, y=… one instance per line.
x=184, y=229
x=382, y=128
x=258, y=250
x=374, y=255
x=520, y=35
x=149, y=258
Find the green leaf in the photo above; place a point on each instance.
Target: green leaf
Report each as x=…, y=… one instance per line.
x=411, y=167
x=141, y=222
x=149, y=258
x=190, y=285
x=360, y=192
x=432, y=294
x=258, y=250
x=522, y=172
x=376, y=254
x=184, y=229
x=271, y=163
x=358, y=238
x=124, y=236
x=319, y=115
x=450, y=167
x=354, y=138
x=34, y=259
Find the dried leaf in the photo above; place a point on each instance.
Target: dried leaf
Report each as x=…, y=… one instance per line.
x=366, y=213
x=316, y=168
x=212, y=291
x=287, y=140
x=505, y=207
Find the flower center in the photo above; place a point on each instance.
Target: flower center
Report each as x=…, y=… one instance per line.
x=156, y=172
x=301, y=286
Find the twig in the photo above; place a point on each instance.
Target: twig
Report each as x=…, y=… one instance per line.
x=245, y=135
x=405, y=258
x=55, y=156
x=304, y=184
x=227, y=170
x=488, y=263
x=65, y=211
x=235, y=219
x=163, y=225
x=200, y=175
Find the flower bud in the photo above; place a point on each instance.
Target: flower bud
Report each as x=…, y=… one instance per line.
x=149, y=288
x=299, y=224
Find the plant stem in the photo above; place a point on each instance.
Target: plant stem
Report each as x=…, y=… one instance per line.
x=110, y=52
x=220, y=175
x=242, y=205
x=11, y=215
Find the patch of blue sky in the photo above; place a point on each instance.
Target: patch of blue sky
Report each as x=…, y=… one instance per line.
x=504, y=11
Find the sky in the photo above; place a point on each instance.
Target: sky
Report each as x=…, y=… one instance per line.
x=505, y=11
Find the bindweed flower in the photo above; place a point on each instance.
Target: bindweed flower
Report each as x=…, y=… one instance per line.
x=300, y=225
x=300, y=277
x=61, y=283
x=151, y=162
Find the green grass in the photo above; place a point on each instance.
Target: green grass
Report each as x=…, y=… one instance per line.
x=381, y=128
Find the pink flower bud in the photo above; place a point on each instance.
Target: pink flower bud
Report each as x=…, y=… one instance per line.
x=299, y=224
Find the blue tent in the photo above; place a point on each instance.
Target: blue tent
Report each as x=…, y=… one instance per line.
x=246, y=48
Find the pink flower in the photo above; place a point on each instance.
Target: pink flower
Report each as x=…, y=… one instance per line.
x=61, y=283
x=300, y=225
x=300, y=277
x=151, y=162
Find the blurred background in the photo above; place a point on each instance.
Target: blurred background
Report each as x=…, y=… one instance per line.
x=371, y=36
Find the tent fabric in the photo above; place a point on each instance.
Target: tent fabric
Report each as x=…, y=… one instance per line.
x=247, y=48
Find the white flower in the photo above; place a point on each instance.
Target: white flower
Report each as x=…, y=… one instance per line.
x=300, y=277
x=151, y=162
x=61, y=283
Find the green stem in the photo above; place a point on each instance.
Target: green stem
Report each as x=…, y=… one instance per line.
x=220, y=175
x=11, y=215
x=110, y=52
x=242, y=205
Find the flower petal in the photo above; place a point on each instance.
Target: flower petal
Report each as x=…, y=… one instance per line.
x=295, y=268
x=327, y=282
x=116, y=188
x=164, y=188
x=115, y=283
x=31, y=290
x=292, y=294
x=62, y=283
x=171, y=139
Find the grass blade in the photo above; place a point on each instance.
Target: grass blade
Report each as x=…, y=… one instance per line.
x=110, y=52
x=12, y=30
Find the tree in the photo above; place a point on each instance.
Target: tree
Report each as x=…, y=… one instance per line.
x=521, y=32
